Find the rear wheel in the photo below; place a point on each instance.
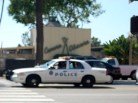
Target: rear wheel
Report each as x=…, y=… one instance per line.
x=136, y=81
x=133, y=75
x=88, y=81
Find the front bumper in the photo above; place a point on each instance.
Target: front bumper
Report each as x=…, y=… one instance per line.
x=18, y=79
x=8, y=74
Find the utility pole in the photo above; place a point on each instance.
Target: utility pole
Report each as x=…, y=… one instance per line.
x=130, y=49
x=39, y=33
x=134, y=31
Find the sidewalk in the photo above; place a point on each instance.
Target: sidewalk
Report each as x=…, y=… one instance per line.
x=6, y=83
x=1, y=82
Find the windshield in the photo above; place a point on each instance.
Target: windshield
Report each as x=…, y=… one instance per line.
x=47, y=64
x=110, y=61
x=104, y=60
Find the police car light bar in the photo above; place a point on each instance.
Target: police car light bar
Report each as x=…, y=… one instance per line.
x=65, y=57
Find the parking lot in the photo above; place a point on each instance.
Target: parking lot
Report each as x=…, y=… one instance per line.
x=118, y=92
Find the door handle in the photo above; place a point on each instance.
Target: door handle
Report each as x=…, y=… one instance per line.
x=82, y=71
x=64, y=71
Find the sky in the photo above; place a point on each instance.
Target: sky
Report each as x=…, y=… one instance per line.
x=113, y=23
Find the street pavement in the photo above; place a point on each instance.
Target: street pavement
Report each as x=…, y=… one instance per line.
x=22, y=95
x=119, y=92
x=11, y=92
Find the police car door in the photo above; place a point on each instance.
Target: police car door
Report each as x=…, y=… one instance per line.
x=75, y=71
x=57, y=73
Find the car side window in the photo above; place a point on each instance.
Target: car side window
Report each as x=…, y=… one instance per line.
x=90, y=63
x=60, y=65
x=75, y=65
x=98, y=64
x=111, y=62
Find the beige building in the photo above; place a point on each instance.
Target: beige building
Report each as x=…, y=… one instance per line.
x=61, y=40
x=26, y=52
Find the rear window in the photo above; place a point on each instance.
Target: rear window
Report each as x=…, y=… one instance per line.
x=111, y=62
x=90, y=63
x=97, y=64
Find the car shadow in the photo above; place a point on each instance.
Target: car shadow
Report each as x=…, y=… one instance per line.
x=124, y=82
x=66, y=87
x=70, y=86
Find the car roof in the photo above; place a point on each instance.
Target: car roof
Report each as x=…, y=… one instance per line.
x=93, y=60
x=77, y=60
x=83, y=57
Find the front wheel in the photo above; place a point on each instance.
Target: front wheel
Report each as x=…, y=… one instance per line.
x=88, y=81
x=33, y=81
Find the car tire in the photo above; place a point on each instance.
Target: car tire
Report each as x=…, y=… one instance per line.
x=33, y=81
x=136, y=81
x=88, y=81
x=133, y=75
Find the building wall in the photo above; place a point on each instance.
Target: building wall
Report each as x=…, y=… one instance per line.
x=60, y=40
x=26, y=52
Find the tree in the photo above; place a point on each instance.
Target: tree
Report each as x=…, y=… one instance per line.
x=68, y=12
x=26, y=39
x=120, y=49
x=95, y=42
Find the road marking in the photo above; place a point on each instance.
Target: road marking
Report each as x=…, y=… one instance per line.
x=12, y=95
x=25, y=100
x=20, y=93
x=21, y=96
x=101, y=94
x=18, y=90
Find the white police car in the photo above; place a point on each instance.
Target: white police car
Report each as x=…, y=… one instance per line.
x=65, y=71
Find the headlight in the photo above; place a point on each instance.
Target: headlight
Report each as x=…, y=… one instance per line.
x=18, y=74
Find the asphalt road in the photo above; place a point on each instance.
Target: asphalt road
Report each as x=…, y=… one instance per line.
x=119, y=92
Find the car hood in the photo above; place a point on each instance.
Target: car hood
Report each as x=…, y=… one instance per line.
x=32, y=69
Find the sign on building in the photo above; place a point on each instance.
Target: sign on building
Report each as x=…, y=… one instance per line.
x=69, y=41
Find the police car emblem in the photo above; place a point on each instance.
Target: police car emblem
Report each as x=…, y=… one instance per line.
x=50, y=72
